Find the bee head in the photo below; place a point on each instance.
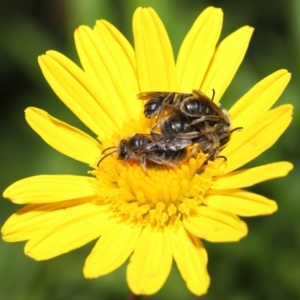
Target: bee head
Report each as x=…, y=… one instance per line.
x=123, y=150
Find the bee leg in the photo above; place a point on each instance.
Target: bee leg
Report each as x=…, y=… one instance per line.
x=222, y=156
x=213, y=94
x=202, y=145
x=209, y=147
x=152, y=132
x=161, y=161
x=212, y=154
x=208, y=143
x=157, y=124
x=215, y=141
x=206, y=118
x=237, y=128
x=166, y=101
x=180, y=98
x=143, y=163
x=195, y=149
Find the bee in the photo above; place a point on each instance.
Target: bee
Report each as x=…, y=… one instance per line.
x=200, y=108
x=175, y=129
x=156, y=102
x=209, y=144
x=215, y=139
x=193, y=115
x=195, y=105
x=141, y=147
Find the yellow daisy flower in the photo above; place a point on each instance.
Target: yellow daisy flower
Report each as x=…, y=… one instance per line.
x=156, y=217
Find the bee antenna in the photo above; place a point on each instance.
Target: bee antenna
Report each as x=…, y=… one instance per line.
x=237, y=128
x=213, y=94
x=222, y=156
x=108, y=149
x=98, y=164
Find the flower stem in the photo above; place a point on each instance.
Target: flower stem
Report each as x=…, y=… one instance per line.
x=132, y=296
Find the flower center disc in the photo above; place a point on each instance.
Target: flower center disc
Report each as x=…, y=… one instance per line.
x=159, y=195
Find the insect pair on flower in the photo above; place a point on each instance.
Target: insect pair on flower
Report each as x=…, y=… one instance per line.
x=183, y=120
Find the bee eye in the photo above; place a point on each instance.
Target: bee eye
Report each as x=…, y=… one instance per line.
x=122, y=154
x=122, y=149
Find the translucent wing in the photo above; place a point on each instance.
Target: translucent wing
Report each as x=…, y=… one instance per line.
x=150, y=95
x=206, y=101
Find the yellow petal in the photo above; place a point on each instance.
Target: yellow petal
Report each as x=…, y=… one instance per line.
x=78, y=92
x=35, y=218
x=78, y=226
x=198, y=48
x=116, y=41
x=242, y=203
x=154, y=55
x=51, y=188
x=151, y=262
x=226, y=61
x=252, y=141
x=125, y=59
x=259, y=99
x=215, y=225
x=112, y=250
x=106, y=64
x=191, y=259
x=249, y=177
x=63, y=137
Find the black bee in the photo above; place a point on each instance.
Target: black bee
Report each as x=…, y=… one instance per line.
x=142, y=147
x=210, y=143
x=156, y=102
x=195, y=105
x=215, y=139
x=201, y=108
x=192, y=115
x=175, y=130
x=183, y=119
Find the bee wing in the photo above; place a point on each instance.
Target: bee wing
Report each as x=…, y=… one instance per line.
x=149, y=95
x=167, y=142
x=174, y=142
x=210, y=103
x=201, y=95
x=147, y=148
x=177, y=143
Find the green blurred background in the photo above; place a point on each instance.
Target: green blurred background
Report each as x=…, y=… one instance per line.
x=265, y=264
